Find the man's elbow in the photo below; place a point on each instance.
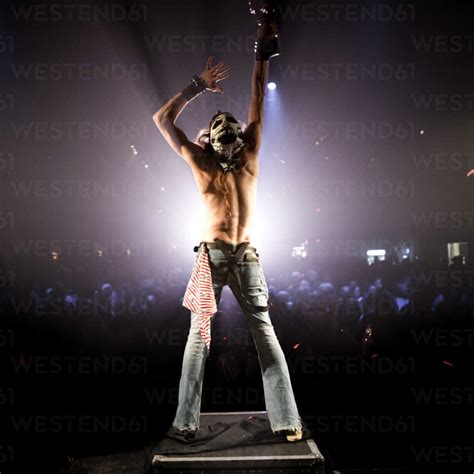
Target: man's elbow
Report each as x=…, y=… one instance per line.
x=161, y=120
x=158, y=117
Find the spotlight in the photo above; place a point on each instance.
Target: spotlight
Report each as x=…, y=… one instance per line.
x=271, y=86
x=371, y=254
x=300, y=251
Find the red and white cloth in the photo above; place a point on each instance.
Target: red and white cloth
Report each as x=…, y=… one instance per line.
x=199, y=296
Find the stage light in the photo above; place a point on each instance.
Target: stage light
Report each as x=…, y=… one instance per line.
x=379, y=253
x=376, y=253
x=271, y=86
x=299, y=251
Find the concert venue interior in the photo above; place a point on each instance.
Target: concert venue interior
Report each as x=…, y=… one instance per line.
x=363, y=223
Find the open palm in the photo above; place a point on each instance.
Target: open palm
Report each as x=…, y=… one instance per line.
x=214, y=74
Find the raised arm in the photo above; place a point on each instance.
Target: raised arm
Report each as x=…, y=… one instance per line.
x=253, y=132
x=166, y=117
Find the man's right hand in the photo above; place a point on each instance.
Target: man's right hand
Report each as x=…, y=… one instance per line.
x=214, y=74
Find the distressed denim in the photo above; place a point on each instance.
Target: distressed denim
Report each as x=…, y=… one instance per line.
x=252, y=297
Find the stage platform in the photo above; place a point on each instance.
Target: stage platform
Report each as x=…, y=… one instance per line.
x=237, y=442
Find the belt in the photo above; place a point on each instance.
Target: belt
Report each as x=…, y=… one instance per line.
x=228, y=248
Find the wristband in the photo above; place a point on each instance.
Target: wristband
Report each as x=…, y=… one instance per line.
x=199, y=82
x=194, y=88
x=266, y=48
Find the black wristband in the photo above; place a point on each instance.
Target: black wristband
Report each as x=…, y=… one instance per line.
x=266, y=48
x=199, y=82
x=194, y=88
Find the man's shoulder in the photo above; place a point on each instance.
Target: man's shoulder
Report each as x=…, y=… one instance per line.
x=203, y=162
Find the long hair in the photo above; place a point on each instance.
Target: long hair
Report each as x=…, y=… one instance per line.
x=203, y=139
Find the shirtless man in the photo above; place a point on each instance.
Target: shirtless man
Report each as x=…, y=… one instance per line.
x=224, y=163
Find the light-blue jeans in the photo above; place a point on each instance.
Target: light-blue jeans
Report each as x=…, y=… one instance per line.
x=252, y=296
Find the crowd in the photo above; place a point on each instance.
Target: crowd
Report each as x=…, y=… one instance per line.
x=345, y=296
x=324, y=313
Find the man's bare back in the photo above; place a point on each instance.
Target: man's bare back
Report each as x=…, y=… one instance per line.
x=229, y=214
x=229, y=218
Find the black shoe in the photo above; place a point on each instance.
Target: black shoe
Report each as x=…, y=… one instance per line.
x=186, y=434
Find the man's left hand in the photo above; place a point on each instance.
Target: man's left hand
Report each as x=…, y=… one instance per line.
x=214, y=74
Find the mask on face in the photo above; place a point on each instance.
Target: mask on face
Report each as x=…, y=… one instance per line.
x=225, y=139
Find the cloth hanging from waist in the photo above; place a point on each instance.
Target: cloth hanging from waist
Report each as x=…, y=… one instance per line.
x=199, y=296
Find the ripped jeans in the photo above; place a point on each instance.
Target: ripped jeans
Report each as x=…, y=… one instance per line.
x=251, y=293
